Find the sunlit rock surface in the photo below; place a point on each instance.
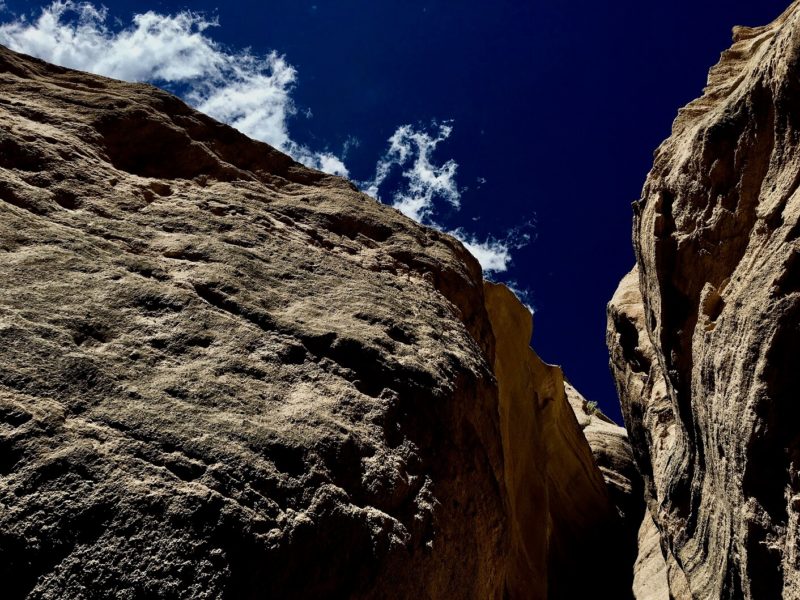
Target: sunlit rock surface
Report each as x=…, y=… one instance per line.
x=705, y=333
x=223, y=375
x=587, y=492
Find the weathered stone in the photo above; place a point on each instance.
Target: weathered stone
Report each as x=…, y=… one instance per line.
x=651, y=425
x=650, y=570
x=565, y=492
x=704, y=334
x=613, y=456
x=225, y=375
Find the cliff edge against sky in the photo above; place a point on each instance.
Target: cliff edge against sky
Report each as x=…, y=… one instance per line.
x=705, y=332
x=226, y=375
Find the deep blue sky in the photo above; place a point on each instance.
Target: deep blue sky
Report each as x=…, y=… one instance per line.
x=559, y=106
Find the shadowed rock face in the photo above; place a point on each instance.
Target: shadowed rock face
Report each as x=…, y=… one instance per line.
x=565, y=529
x=646, y=408
x=704, y=334
x=223, y=375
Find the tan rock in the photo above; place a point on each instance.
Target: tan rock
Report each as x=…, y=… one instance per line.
x=704, y=345
x=612, y=454
x=650, y=570
x=551, y=475
x=225, y=375
x=650, y=420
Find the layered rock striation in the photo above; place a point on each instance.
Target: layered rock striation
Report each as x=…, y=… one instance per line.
x=224, y=375
x=705, y=333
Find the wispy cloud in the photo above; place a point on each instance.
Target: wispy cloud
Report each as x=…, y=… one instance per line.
x=523, y=293
x=411, y=149
x=426, y=185
x=252, y=93
x=495, y=254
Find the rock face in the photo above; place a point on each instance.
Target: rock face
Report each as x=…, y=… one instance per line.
x=612, y=454
x=705, y=333
x=579, y=550
x=223, y=375
x=619, y=546
x=646, y=409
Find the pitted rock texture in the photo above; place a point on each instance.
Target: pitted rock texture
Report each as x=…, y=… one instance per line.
x=650, y=572
x=646, y=404
x=705, y=334
x=651, y=426
x=224, y=375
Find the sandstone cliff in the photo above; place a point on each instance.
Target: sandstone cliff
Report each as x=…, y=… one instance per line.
x=223, y=375
x=705, y=334
x=552, y=473
x=615, y=547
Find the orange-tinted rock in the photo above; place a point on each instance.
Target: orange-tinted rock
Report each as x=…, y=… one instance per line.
x=566, y=532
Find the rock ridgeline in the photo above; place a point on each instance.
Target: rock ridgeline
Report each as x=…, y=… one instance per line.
x=224, y=375
x=705, y=333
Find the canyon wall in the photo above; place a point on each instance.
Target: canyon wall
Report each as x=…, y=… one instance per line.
x=572, y=502
x=224, y=375
x=705, y=333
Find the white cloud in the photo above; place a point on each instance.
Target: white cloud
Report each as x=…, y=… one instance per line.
x=253, y=94
x=324, y=161
x=494, y=255
x=426, y=183
x=350, y=143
